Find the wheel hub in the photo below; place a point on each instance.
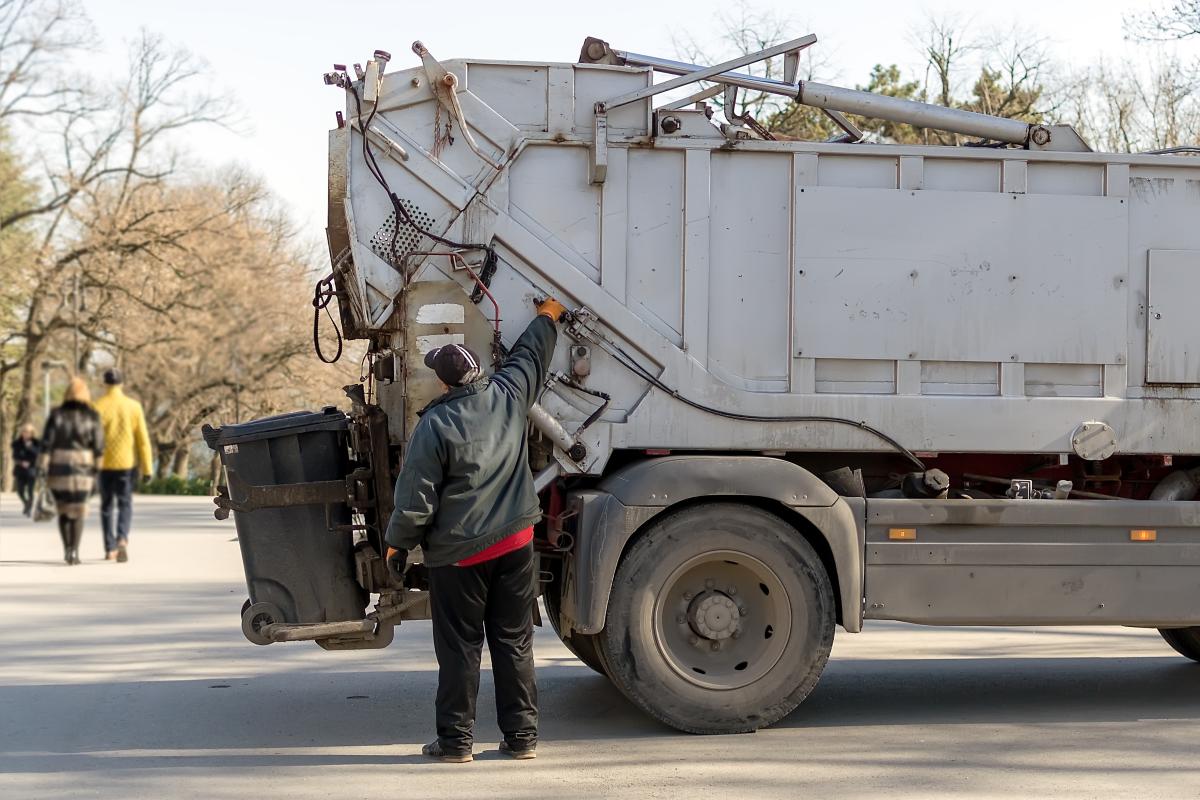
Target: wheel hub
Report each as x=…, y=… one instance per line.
x=714, y=616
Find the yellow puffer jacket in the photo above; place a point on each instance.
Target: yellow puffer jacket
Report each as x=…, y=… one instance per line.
x=126, y=441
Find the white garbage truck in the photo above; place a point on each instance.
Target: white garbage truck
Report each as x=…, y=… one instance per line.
x=801, y=385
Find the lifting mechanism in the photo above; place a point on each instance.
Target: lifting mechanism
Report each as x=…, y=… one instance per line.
x=835, y=101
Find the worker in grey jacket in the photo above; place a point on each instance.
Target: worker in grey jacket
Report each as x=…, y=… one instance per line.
x=465, y=495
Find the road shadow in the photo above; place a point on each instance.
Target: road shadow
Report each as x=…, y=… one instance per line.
x=338, y=710
x=997, y=690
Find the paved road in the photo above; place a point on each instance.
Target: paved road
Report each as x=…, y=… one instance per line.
x=122, y=681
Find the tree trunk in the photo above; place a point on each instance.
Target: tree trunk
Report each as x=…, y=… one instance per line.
x=6, y=436
x=214, y=473
x=179, y=463
x=30, y=371
x=166, y=457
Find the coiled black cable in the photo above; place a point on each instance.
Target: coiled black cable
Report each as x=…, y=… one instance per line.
x=323, y=295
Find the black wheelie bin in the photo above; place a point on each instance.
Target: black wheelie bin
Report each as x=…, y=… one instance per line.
x=299, y=566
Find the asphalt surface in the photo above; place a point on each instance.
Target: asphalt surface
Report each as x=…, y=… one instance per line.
x=134, y=680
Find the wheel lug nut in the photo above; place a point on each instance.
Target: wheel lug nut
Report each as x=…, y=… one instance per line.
x=715, y=646
x=687, y=595
x=693, y=640
x=710, y=583
x=679, y=620
x=731, y=590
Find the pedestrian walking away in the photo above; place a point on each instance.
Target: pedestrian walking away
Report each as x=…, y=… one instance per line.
x=72, y=444
x=126, y=452
x=465, y=494
x=25, y=450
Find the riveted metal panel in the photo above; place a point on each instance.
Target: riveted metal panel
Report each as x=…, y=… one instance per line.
x=874, y=280
x=1172, y=325
x=1033, y=562
x=748, y=290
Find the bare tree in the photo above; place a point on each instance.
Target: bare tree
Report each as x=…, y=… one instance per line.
x=944, y=43
x=1012, y=77
x=1135, y=107
x=236, y=342
x=93, y=209
x=1168, y=98
x=36, y=40
x=745, y=29
x=1178, y=20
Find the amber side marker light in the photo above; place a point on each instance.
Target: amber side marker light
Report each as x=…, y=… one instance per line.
x=1143, y=536
x=902, y=533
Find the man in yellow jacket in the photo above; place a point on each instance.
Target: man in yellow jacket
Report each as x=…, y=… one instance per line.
x=126, y=451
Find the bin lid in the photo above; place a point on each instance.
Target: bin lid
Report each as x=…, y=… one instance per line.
x=295, y=422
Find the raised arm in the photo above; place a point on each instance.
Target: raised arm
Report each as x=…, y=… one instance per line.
x=527, y=363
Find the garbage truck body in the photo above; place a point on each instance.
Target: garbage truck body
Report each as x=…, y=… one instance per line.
x=801, y=384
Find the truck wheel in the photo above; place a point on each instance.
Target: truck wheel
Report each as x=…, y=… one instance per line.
x=581, y=645
x=720, y=620
x=1186, y=641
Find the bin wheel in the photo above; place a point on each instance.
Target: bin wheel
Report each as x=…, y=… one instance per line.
x=245, y=605
x=258, y=616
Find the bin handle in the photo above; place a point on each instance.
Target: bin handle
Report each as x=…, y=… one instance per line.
x=241, y=496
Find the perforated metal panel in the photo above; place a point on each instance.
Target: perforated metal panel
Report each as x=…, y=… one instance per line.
x=407, y=238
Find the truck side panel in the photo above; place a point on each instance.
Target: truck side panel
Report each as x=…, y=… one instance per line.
x=1039, y=562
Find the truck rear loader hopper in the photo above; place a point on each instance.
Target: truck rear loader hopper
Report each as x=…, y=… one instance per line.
x=801, y=384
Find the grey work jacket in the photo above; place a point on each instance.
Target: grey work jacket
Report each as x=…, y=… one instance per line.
x=465, y=483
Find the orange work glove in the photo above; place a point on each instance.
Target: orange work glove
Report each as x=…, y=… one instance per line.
x=396, y=561
x=551, y=308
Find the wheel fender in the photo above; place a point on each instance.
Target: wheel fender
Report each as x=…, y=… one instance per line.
x=612, y=513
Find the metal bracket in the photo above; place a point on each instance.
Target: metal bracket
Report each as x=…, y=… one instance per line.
x=698, y=97
x=599, y=152
x=445, y=88
x=730, y=110
x=241, y=496
x=849, y=127
x=711, y=73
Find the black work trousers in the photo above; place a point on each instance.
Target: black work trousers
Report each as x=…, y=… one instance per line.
x=492, y=600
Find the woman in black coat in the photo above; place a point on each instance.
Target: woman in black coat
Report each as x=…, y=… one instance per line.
x=72, y=446
x=25, y=449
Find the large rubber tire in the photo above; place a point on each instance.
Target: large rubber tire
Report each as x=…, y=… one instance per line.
x=582, y=646
x=1186, y=641
x=682, y=677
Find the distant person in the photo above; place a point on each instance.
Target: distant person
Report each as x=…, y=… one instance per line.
x=25, y=449
x=71, y=448
x=126, y=451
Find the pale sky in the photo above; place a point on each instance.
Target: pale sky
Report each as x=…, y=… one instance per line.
x=269, y=57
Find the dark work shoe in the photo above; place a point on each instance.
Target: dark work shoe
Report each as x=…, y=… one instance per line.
x=434, y=750
x=521, y=753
